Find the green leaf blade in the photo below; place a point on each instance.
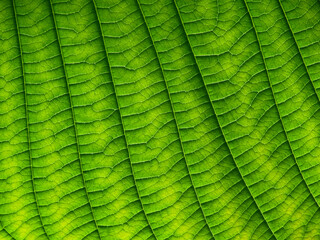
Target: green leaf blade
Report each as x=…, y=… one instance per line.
x=17, y=184
x=157, y=121
x=101, y=137
x=306, y=34
x=189, y=95
x=165, y=119
x=265, y=174
x=55, y=163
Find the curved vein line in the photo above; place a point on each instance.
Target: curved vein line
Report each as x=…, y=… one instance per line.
x=121, y=119
x=73, y=119
x=301, y=56
x=220, y=128
x=175, y=120
x=27, y=117
x=276, y=104
x=5, y=230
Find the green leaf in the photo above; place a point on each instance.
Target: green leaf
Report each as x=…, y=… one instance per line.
x=164, y=119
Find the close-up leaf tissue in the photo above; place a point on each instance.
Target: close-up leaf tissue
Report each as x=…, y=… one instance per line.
x=159, y=119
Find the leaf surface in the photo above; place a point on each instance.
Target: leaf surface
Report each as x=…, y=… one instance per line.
x=166, y=119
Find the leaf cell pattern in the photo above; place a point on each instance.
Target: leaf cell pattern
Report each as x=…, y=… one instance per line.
x=159, y=119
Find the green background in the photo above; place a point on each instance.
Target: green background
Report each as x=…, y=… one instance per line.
x=159, y=119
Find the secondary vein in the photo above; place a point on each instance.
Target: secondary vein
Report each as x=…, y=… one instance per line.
x=5, y=230
x=175, y=119
x=74, y=120
x=27, y=117
x=121, y=119
x=220, y=128
x=276, y=104
x=301, y=56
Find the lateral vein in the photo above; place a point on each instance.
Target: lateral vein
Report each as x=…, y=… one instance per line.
x=74, y=120
x=275, y=101
x=27, y=117
x=301, y=56
x=121, y=119
x=220, y=128
x=5, y=230
x=175, y=120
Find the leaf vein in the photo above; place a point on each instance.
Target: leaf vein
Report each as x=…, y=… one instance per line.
x=175, y=119
x=73, y=119
x=301, y=56
x=121, y=119
x=27, y=116
x=220, y=127
x=276, y=104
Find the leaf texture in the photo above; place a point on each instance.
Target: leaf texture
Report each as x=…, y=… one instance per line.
x=162, y=119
